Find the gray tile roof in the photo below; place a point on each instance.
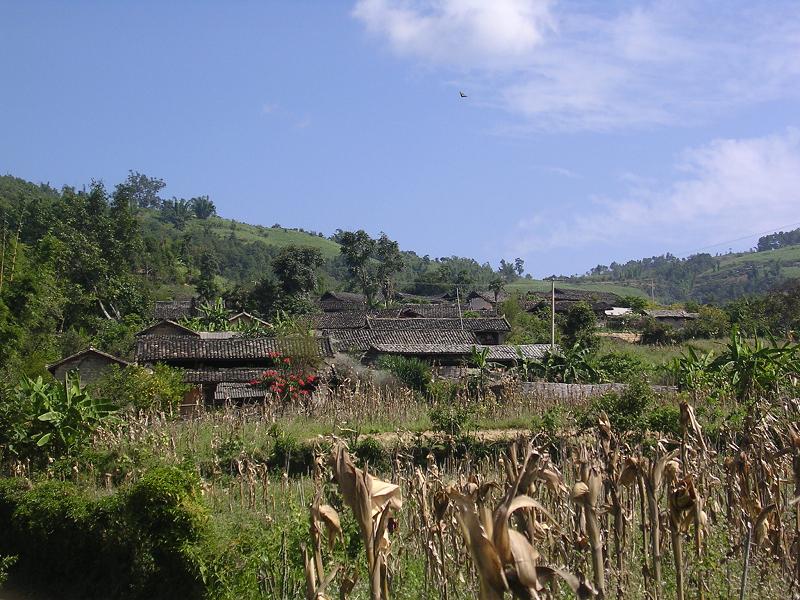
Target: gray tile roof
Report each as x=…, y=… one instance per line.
x=338, y=301
x=179, y=348
x=478, y=324
x=349, y=319
x=90, y=350
x=360, y=340
x=174, y=309
x=671, y=314
x=504, y=353
x=237, y=391
x=221, y=375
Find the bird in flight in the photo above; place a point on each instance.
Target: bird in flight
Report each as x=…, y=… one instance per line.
x=462, y=94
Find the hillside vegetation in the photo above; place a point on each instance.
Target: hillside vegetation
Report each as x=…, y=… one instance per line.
x=703, y=277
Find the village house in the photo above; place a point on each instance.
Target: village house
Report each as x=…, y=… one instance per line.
x=90, y=364
x=175, y=310
x=453, y=360
x=487, y=330
x=674, y=318
x=210, y=359
x=342, y=301
x=246, y=319
x=485, y=300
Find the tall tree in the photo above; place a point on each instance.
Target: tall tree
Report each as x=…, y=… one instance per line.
x=143, y=190
x=296, y=269
x=358, y=249
x=390, y=262
x=497, y=285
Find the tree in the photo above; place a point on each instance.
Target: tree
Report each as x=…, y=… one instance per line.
x=507, y=271
x=205, y=282
x=579, y=326
x=141, y=190
x=519, y=266
x=390, y=261
x=358, y=249
x=203, y=207
x=177, y=212
x=296, y=269
x=497, y=285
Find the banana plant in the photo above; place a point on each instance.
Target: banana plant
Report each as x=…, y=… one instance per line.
x=61, y=416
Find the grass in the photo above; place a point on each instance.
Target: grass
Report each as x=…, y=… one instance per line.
x=271, y=235
x=536, y=285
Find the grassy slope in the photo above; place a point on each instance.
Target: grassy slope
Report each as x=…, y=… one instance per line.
x=733, y=270
x=330, y=249
x=537, y=285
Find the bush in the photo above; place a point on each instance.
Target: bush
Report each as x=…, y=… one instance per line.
x=625, y=410
x=452, y=418
x=620, y=367
x=142, y=389
x=665, y=418
x=413, y=372
x=370, y=451
x=142, y=542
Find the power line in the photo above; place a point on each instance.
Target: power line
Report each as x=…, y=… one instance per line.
x=745, y=237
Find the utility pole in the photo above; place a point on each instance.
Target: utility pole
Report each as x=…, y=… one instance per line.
x=553, y=316
x=460, y=315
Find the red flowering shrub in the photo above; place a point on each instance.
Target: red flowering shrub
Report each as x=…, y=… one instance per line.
x=285, y=382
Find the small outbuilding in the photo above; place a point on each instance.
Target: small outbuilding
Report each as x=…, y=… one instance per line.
x=91, y=364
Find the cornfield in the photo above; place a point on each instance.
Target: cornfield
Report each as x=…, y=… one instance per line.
x=589, y=515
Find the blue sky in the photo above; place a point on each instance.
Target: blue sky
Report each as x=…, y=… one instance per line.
x=592, y=131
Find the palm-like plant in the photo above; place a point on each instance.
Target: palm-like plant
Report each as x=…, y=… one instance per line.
x=203, y=207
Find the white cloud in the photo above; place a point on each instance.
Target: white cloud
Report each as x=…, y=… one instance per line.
x=730, y=188
x=566, y=67
x=464, y=33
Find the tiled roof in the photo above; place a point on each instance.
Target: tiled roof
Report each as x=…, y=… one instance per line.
x=361, y=339
x=170, y=348
x=437, y=311
x=344, y=297
x=237, y=391
x=496, y=353
x=349, y=319
x=337, y=301
x=488, y=295
x=671, y=314
x=221, y=375
x=478, y=324
x=177, y=327
x=87, y=351
x=174, y=309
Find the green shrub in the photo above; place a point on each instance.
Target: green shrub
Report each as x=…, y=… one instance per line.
x=620, y=367
x=452, y=418
x=413, y=372
x=42, y=418
x=369, y=450
x=665, y=418
x=161, y=388
x=625, y=410
x=142, y=542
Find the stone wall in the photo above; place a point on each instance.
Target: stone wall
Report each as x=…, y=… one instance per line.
x=578, y=391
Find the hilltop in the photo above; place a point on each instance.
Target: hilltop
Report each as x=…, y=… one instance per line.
x=242, y=254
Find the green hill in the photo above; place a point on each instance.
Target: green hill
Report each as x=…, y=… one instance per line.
x=701, y=277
